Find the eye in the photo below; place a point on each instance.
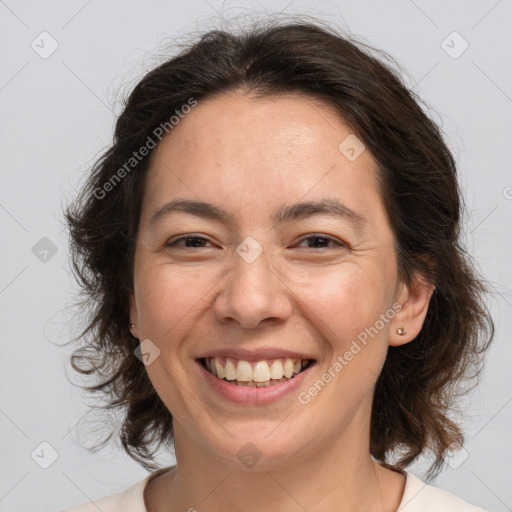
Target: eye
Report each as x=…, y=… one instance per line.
x=324, y=240
x=194, y=240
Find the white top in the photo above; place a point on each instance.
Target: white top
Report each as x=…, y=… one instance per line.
x=417, y=497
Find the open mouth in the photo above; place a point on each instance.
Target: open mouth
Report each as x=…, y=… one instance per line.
x=255, y=374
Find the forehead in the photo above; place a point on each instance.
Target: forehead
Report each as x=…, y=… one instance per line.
x=234, y=149
x=241, y=121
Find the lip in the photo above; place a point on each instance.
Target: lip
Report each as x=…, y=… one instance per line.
x=259, y=354
x=252, y=395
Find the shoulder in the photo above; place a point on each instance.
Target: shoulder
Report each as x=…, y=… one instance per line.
x=106, y=504
x=421, y=497
x=130, y=500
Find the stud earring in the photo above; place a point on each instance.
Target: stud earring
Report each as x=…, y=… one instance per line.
x=401, y=331
x=132, y=326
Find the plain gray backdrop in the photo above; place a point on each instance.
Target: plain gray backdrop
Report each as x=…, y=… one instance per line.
x=64, y=69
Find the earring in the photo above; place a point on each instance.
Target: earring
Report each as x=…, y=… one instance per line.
x=132, y=326
x=401, y=331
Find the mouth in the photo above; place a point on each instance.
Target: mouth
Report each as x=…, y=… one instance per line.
x=257, y=374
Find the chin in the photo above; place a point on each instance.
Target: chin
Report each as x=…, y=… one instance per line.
x=255, y=451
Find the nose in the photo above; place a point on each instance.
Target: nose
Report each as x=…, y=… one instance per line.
x=252, y=293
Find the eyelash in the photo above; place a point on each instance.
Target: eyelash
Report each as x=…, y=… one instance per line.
x=312, y=236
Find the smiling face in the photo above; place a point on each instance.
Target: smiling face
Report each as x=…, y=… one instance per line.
x=261, y=276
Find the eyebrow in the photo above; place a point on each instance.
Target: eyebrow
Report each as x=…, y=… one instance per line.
x=330, y=207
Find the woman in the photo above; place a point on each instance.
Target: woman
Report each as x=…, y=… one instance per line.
x=288, y=373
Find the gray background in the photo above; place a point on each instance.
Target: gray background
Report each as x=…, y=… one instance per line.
x=57, y=114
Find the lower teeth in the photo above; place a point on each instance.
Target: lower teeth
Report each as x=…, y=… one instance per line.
x=253, y=384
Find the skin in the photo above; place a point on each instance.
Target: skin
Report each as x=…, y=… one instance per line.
x=251, y=156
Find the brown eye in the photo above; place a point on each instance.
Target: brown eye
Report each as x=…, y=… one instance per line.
x=324, y=241
x=190, y=241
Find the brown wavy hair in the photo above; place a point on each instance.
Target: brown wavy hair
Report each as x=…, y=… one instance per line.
x=421, y=380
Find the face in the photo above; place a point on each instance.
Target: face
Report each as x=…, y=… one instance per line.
x=258, y=287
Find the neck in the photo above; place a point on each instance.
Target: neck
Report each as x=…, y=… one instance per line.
x=336, y=478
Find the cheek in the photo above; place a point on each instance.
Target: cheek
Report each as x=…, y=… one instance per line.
x=169, y=297
x=342, y=302
x=345, y=307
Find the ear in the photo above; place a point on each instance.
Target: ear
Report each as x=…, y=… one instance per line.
x=134, y=316
x=415, y=300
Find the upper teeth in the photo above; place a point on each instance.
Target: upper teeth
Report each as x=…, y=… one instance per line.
x=260, y=371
